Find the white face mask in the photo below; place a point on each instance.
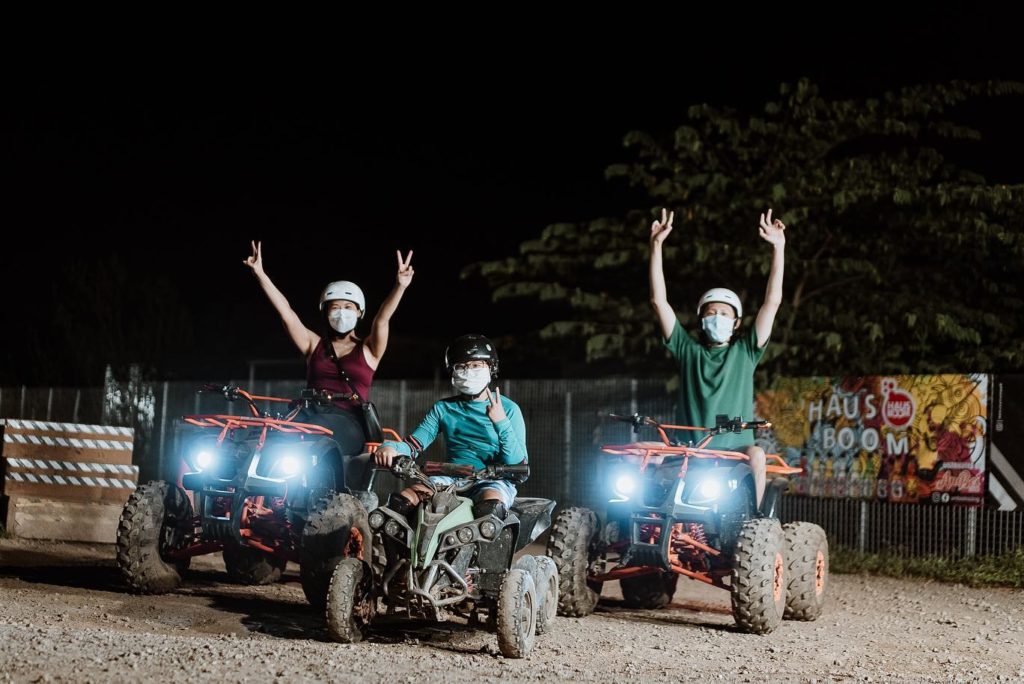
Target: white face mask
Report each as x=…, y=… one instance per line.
x=471, y=381
x=343, y=320
x=718, y=327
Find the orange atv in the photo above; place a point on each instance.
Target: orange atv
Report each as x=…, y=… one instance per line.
x=263, y=489
x=683, y=509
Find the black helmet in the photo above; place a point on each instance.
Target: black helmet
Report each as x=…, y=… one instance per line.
x=471, y=348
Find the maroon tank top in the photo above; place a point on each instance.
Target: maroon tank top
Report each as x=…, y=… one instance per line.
x=322, y=373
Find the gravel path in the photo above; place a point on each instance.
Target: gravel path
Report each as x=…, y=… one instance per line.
x=64, y=616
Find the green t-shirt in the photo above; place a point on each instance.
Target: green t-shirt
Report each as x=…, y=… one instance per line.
x=715, y=381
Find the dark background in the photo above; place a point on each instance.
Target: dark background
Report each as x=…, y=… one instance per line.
x=143, y=192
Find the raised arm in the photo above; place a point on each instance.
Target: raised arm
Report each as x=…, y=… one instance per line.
x=304, y=338
x=659, y=294
x=774, y=232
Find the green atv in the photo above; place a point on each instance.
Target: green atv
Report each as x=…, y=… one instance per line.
x=448, y=562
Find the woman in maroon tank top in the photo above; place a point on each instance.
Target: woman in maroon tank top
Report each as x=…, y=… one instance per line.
x=338, y=360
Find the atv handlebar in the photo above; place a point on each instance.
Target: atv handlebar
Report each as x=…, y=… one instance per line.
x=737, y=424
x=319, y=397
x=636, y=420
x=309, y=397
x=406, y=468
x=723, y=424
x=232, y=394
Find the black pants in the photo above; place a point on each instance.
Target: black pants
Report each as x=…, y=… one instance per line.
x=347, y=426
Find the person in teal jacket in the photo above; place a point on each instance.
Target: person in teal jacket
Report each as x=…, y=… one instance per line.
x=481, y=428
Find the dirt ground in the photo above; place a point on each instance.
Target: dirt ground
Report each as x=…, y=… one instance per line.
x=64, y=616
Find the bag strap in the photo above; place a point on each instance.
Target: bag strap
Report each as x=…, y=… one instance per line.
x=341, y=371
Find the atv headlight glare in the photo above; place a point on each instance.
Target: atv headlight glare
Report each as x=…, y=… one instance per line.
x=204, y=459
x=290, y=465
x=488, y=529
x=624, y=485
x=709, y=489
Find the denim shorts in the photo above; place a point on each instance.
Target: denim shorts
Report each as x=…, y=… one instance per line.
x=505, y=488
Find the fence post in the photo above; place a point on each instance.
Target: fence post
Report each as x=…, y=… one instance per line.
x=633, y=408
x=402, y=389
x=567, y=456
x=163, y=434
x=862, y=528
x=971, y=533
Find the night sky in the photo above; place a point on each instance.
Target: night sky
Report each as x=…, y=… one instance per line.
x=459, y=157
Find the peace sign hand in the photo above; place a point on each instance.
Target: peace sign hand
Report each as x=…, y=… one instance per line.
x=255, y=261
x=495, y=409
x=661, y=229
x=405, y=269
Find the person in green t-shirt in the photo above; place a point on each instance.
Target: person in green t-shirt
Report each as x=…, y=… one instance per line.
x=716, y=373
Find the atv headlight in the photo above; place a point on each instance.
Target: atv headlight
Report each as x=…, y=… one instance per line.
x=290, y=464
x=709, y=489
x=624, y=485
x=488, y=529
x=392, y=528
x=204, y=459
x=465, y=535
x=202, y=452
x=376, y=520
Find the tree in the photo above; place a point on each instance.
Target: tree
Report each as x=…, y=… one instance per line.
x=899, y=259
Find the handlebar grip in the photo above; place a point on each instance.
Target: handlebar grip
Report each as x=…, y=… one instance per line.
x=517, y=474
x=401, y=463
x=230, y=393
x=520, y=469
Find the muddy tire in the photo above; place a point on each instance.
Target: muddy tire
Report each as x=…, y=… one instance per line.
x=337, y=528
x=517, y=614
x=806, y=570
x=246, y=565
x=569, y=547
x=546, y=581
x=350, y=602
x=157, y=518
x=758, y=584
x=649, y=591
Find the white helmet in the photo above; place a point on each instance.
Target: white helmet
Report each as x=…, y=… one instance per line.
x=343, y=289
x=723, y=295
